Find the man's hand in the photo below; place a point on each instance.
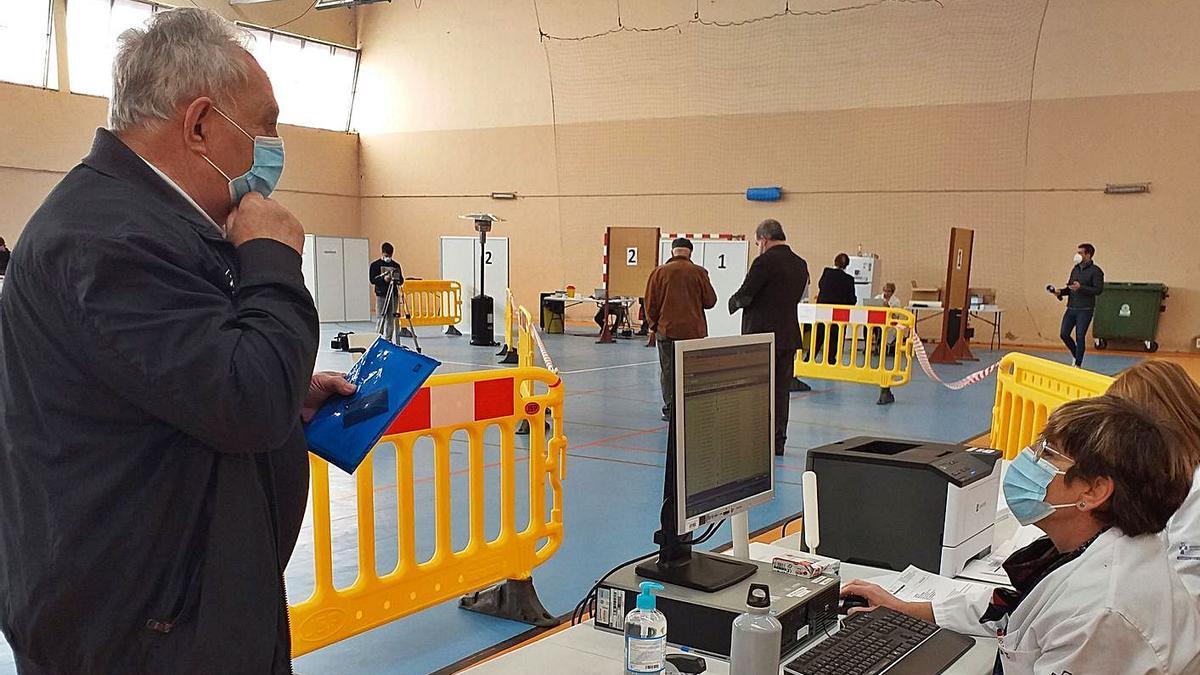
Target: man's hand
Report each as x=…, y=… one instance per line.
x=1074, y=285
x=320, y=388
x=259, y=218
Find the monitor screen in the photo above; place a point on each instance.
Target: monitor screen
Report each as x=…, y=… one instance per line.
x=724, y=426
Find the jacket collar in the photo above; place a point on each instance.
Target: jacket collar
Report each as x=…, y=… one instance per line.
x=111, y=157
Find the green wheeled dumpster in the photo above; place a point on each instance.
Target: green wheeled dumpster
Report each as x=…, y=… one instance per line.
x=1129, y=310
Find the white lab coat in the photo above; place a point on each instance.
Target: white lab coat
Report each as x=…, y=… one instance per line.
x=1183, y=535
x=1118, y=608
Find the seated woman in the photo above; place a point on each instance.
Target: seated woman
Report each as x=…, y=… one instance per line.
x=1097, y=595
x=1165, y=390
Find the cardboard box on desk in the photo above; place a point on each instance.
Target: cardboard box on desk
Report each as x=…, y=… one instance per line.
x=806, y=565
x=986, y=296
x=926, y=294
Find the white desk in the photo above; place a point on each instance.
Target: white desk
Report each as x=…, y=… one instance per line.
x=583, y=650
x=625, y=302
x=975, y=312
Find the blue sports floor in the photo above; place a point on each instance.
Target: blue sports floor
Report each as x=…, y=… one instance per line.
x=613, y=488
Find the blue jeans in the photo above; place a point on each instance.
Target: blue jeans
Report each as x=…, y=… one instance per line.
x=1076, y=320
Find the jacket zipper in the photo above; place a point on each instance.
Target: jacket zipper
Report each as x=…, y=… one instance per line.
x=287, y=615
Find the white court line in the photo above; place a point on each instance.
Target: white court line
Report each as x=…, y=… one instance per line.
x=472, y=365
x=593, y=370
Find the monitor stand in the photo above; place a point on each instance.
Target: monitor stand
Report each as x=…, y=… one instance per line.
x=681, y=566
x=677, y=563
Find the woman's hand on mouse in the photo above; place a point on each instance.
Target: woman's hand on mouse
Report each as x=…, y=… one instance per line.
x=877, y=597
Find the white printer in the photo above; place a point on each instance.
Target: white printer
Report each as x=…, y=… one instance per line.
x=893, y=503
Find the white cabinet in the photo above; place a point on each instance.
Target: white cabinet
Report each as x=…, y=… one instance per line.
x=335, y=273
x=865, y=270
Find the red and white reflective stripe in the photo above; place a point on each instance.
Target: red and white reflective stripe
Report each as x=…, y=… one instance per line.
x=809, y=313
x=455, y=405
x=688, y=235
x=923, y=359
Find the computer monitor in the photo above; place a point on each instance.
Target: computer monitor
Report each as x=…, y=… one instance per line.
x=724, y=427
x=720, y=453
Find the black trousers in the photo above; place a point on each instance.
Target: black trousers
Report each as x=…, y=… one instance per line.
x=666, y=372
x=829, y=355
x=1077, y=321
x=785, y=370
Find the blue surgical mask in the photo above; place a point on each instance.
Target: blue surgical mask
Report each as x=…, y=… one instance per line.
x=1025, y=486
x=264, y=173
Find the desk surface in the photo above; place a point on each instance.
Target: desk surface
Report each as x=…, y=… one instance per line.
x=589, y=298
x=975, y=309
x=583, y=650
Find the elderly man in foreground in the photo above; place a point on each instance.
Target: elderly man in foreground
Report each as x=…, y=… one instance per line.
x=156, y=358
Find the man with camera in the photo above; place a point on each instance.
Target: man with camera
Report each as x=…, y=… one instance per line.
x=386, y=278
x=1085, y=283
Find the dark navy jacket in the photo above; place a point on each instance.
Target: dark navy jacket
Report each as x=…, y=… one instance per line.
x=153, y=470
x=769, y=294
x=1091, y=283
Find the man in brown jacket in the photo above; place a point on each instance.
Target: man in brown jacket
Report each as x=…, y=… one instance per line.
x=677, y=294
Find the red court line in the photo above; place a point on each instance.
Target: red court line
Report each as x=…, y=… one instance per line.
x=618, y=437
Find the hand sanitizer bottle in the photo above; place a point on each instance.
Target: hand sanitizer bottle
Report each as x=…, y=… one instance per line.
x=646, y=635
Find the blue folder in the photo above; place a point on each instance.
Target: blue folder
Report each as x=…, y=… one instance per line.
x=346, y=428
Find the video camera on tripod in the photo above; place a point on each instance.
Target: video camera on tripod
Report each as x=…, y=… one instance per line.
x=394, y=306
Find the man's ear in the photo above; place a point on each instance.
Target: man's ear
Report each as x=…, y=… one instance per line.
x=198, y=117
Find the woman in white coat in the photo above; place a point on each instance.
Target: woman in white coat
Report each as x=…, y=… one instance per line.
x=1164, y=389
x=1097, y=595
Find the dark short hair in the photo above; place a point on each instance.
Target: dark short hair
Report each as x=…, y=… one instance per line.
x=2, y=242
x=1091, y=250
x=1111, y=437
x=387, y=248
x=841, y=260
x=682, y=242
x=770, y=230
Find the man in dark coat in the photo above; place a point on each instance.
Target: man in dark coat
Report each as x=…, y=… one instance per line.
x=768, y=297
x=1085, y=283
x=156, y=357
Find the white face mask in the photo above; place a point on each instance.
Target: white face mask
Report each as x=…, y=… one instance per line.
x=1078, y=258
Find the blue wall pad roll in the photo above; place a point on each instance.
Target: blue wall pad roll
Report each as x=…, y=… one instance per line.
x=764, y=194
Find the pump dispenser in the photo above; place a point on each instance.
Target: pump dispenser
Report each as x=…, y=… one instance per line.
x=646, y=634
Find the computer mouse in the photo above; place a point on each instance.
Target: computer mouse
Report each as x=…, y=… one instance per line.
x=849, y=602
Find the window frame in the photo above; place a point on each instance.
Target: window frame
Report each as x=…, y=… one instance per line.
x=49, y=55
x=304, y=40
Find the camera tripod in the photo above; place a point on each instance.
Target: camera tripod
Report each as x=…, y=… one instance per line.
x=393, y=301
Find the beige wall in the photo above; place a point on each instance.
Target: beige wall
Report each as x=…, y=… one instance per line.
x=454, y=102
x=48, y=132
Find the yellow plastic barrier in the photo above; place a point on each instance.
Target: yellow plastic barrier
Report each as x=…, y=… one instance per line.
x=1028, y=389
x=433, y=302
x=500, y=399
x=873, y=345
x=507, y=351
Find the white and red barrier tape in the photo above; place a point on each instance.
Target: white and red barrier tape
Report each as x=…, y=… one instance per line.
x=923, y=359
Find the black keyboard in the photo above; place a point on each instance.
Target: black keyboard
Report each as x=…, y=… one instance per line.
x=873, y=642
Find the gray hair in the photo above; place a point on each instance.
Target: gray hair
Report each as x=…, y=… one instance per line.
x=182, y=53
x=770, y=230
